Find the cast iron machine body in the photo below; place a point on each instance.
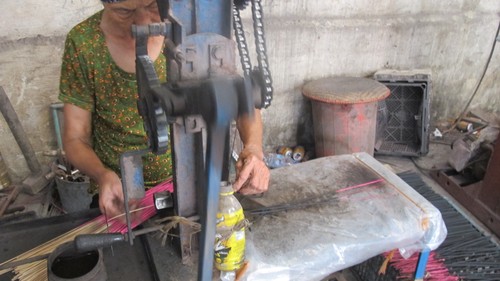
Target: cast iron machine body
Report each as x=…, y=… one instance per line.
x=194, y=109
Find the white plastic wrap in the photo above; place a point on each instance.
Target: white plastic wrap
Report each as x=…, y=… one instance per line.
x=359, y=220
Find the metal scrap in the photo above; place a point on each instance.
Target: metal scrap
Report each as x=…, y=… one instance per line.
x=67, y=172
x=9, y=199
x=470, y=148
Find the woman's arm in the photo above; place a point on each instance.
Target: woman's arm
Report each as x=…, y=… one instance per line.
x=77, y=136
x=252, y=174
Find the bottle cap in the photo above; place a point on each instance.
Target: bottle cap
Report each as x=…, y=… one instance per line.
x=226, y=188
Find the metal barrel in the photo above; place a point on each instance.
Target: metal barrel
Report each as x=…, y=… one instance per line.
x=65, y=264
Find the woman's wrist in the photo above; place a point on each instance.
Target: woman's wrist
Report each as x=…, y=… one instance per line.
x=254, y=149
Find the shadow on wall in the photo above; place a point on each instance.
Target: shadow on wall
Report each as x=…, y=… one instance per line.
x=305, y=132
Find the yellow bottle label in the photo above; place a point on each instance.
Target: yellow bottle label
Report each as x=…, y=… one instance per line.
x=230, y=219
x=229, y=241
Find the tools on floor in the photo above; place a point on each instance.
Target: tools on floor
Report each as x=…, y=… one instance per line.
x=480, y=197
x=472, y=178
x=472, y=150
x=5, y=202
x=40, y=176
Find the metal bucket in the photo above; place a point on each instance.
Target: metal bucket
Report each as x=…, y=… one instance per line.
x=74, y=195
x=66, y=264
x=344, y=128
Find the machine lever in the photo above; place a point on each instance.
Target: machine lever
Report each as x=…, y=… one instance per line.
x=90, y=242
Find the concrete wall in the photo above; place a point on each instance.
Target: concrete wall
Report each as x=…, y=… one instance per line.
x=32, y=34
x=306, y=39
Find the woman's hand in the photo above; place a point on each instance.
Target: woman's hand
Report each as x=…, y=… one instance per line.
x=110, y=194
x=252, y=174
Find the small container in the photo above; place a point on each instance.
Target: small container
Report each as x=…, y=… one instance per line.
x=230, y=231
x=74, y=195
x=298, y=153
x=285, y=150
x=465, y=126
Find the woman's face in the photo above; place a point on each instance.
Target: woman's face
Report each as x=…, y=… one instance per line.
x=130, y=12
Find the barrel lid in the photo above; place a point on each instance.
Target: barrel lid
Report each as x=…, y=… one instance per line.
x=345, y=90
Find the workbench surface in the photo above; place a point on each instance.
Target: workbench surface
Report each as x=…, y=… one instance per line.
x=360, y=209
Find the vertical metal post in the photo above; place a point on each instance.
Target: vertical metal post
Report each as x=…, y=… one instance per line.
x=422, y=264
x=132, y=182
x=188, y=166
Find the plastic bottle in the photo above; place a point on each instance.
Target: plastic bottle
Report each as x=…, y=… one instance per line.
x=274, y=160
x=230, y=231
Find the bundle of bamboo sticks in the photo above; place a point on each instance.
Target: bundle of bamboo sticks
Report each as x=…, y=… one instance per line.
x=37, y=270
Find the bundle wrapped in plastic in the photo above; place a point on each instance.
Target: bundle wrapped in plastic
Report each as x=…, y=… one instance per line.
x=351, y=208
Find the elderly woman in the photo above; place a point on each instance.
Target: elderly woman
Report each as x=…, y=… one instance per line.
x=99, y=90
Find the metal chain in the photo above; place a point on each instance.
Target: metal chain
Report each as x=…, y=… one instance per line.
x=260, y=44
x=241, y=4
x=239, y=33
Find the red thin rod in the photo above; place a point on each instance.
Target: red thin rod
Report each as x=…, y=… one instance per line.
x=359, y=185
x=146, y=204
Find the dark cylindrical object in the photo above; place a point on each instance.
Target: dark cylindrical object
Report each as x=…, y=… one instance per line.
x=73, y=195
x=90, y=242
x=17, y=130
x=65, y=264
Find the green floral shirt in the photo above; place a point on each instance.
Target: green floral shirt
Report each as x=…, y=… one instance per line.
x=91, y=80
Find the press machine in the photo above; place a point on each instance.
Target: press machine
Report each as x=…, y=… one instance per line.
x=193, y=111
